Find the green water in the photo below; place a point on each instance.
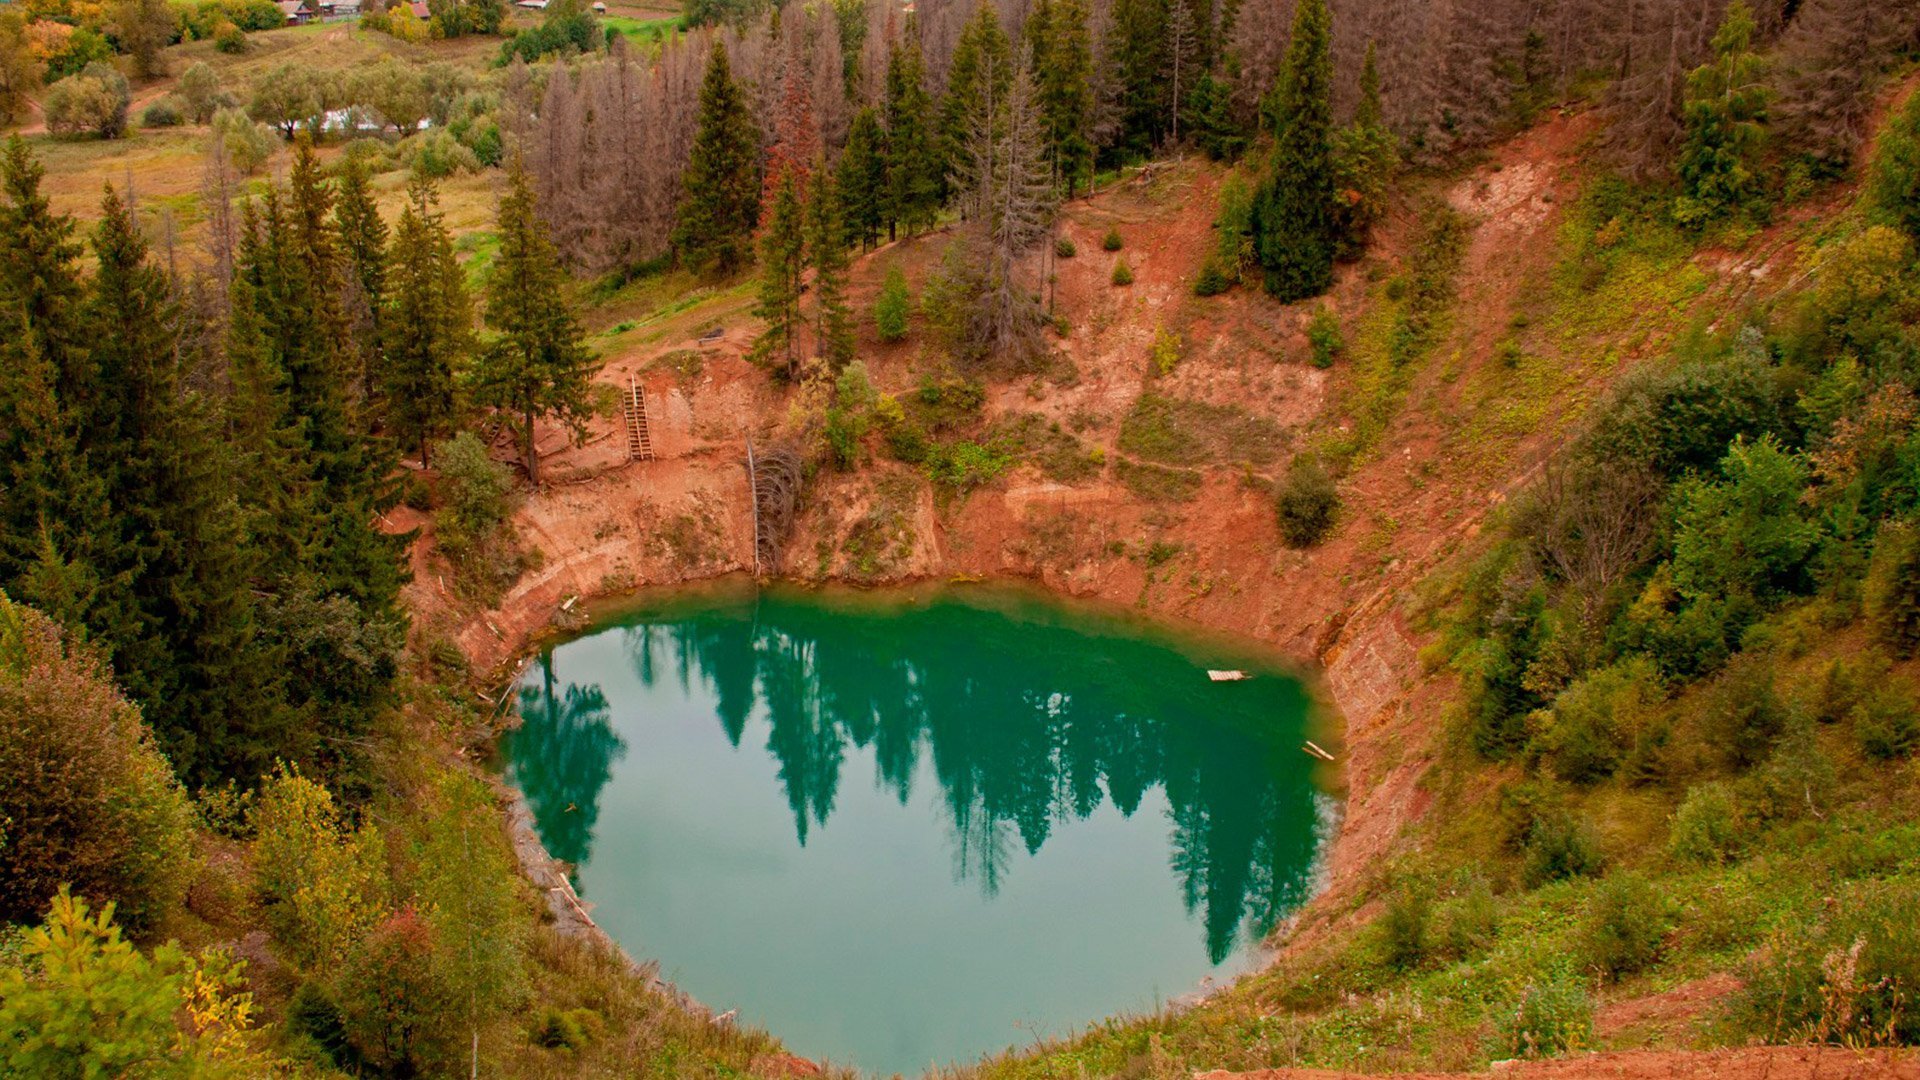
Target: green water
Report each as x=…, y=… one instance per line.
x=911, y=829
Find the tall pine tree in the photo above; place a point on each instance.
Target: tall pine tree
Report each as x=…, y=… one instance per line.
x=862, y=178
x=976, y=82
x=191, y=656
x=538, y=364
x=782, y=265
x=363, y=240
x=1292, y=221
x=1063, y=63
x=914, y=169
x=826, y=242
x=429, y=323
x=1364, y=157
x=714, y=231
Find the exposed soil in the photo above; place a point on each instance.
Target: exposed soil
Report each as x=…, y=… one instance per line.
x=606, y=526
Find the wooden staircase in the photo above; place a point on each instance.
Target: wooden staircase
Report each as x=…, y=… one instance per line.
x=639, y=439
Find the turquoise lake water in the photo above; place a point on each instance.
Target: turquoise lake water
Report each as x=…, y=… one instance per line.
x=901, y=830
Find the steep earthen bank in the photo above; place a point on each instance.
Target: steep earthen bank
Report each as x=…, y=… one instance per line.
x=1425, y=487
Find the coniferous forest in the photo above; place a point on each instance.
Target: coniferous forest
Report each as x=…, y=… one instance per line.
x=1543, y=376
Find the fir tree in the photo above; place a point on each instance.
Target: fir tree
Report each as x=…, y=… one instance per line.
x=722, y=202
x=191, y=657
x=826, y=246
x=58, y=526
x=38, y=272
x=363, y=241
x=297, y=288
x=862, y=178
x=429, y=322
x=1136, y=47
x=914, y=169
x=538, y=364
x=782, y=262
x=1726, y=116
x=1364, y=157
x=1063, y=61
x=978, y=77
x=1293, y=235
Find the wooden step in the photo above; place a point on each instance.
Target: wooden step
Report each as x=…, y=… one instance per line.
x=639, y=439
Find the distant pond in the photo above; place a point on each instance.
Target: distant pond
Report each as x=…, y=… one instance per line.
x=911, y=828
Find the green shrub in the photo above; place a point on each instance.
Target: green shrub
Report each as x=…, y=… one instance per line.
x=1122, y=273
x=1742, y=714
x=1167, y=347
x=565, y=1029
x=1596, y=719
x=86, y=799
x=1557, y=848
x=1405, y=926
x=1323, y=335
x=1212, y=280
x=1625, y=923
x=894, y=306
x=1308, y=503
x=473, y=526
x=850, y=415
x=1111, y=241
x=230, y=39
x=1850, y=974
x=1467, y=923
x=963, y=466
x=162, y=113
x=1891, y=595
x=1064, y=248
x=1551, y=1017
x=1706, y=827
x=437, y=154
x=1886, y=722
x=94, y=102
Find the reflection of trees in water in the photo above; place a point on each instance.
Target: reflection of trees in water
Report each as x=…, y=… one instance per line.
x=561, y=756
x=1012, y=762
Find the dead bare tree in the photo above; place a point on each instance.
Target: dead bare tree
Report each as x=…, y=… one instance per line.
x=1009, y=199
x=776, y=475
x=1591, y=526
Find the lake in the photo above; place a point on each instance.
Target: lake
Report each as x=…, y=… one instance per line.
x=909, y=828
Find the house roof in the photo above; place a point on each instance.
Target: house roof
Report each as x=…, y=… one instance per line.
x=420, y=10
x=294, y=7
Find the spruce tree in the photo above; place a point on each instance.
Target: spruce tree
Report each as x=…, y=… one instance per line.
x=299, y=284
x=982, y=68
x=1292, y=226
x=191, y=657
x=1726, y=117
x=1364, y=157
x=826, y=246
x=538, y=363
x=1136, y=48
x=722, y=178
x=914, y=170
x=363, y=241
x=59, y=528
x=429, y=323
x=782, y=263
x=1063, y=61
x=862, y=178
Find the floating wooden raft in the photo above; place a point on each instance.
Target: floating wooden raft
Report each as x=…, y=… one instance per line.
x=1227, y=676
